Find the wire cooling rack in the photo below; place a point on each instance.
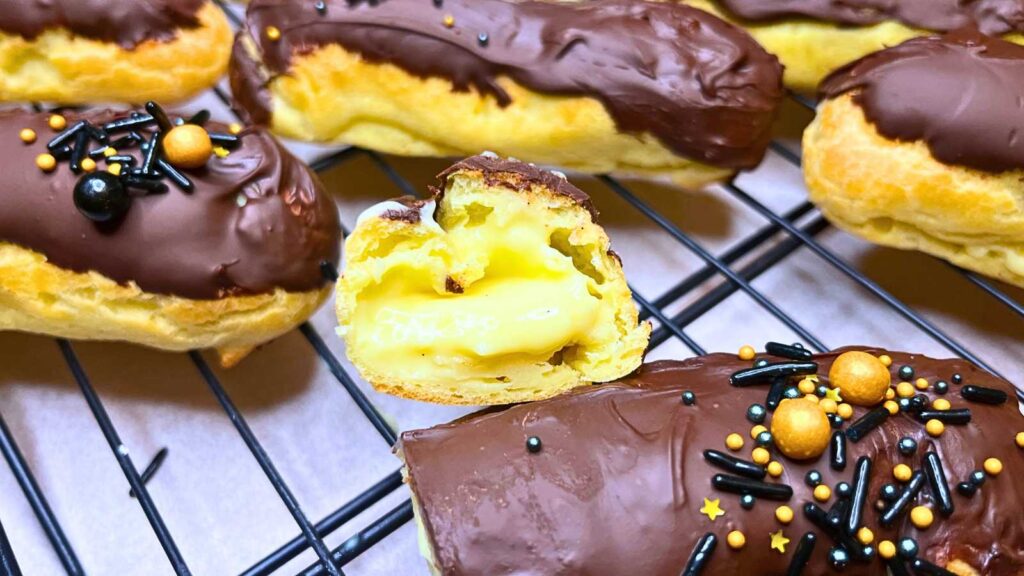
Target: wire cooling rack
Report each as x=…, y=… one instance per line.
x=717, y=276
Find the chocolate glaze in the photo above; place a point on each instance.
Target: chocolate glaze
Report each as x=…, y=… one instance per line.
x=703, y=87
x=620, y=480
x=992, y=16
x=126, y=22
x=961, y=93
x=198, y=245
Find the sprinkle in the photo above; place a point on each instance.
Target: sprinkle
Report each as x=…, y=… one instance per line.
x=734, y=441
x=1019, y=439
x=957, y=378
x=775, y=469
x=983, y=395
x=321, y=7
x=812, y=478
x=838, y=557
x=977, y=477
x=886, y=360
x=937, y=481
x=921, y=383
x=941, y=404
x=747, y=352
x=108, y=152
x=88, y=165
x=812, y=398
x=902, y=472
x=804, y=550
x=756, y=413
x=734, y=465
x=829, y=406
x=845, y=411
x=784, y=514
x=908, y=548
x=822, y=492
x=787, y=351
x=114, y=169
x=756, y=430
x=769, y=372
x=764, y=438
x=779, y=542
x=533, y=444
x=736, y=540
x=57, y=122
x=889, y=492
x=760, y=455
x=861, y=481
x=890, y=394
x=906, y=372
x=221, y=152
x=833, y=395
x=959, y=416
x=27, y=135
x=865, y=536
x=775, y=392
x=738, y=485
x=807, y=386
x=966, y=489
x=482, y=39
x=689, y=398
x=934, y=427
x=921, y=517
x=907, y=445
x=837, y=451
x=235, y=128
x=712, y=508
x=844, y=490
x=886, y=549
x=941, y=387
x=130, y=123
x=46, y=162
x=892, y=407
x=904, y=389
x=701, y=555
x=897, y=508
x=993, y=466
x=866, y=423
x=449, y=21
x=747, y=501
x=273, y=33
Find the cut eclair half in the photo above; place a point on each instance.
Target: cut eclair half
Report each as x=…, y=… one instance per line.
x=501, y=288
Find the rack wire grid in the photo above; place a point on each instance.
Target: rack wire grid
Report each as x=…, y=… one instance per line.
x=720, y=275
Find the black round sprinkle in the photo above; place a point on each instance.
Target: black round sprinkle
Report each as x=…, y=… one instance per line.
x=101, y=197
x=890, y=492
x=966, y=489
x=907, y=548
x=977, y=477
x=321, y=7
x=835, y=420
x=792, y=393
x=838, y=557
x=904, y=404
x=822, y=391
x=756, y=413
x=957, y=379
x=764, y=438
x=689, y=398
x=844, y=490
x=941, y=387
x=907, y=446
x=482, y=38
x=747, y=501
x=797, y=345
x=867, y=553
x=813, y=478
x=906, y=372
x=533, y=444
x=760, y=363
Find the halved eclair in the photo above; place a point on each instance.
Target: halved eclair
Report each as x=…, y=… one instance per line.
x=127, y=226
x=89, y=51
x=501, y=288
x=627, y=86
x=919, y=147
x=684, y=468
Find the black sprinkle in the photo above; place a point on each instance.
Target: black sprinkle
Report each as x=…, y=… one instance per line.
x=151, y=469
x=769, y=372
x=775, y=393
x=937, y=481
x=533, y=444
x=62, y=153
x=866, y=423
x=835, y=420
x=838, y=557
x=199, y=118
x=764, y=438
x=118, y=159
x=689, y=398
x=141, y=182
x=150, y=154
x=802, y=556
x=837, y=451
x=735, y=465
x=941, y=387
x=899, y=506
x=738, y=485
x=977, y=477
x=906, y=372
x=966, y=489
x=701, y=555
x=907, y=548
x=907, y=445
x=844, y=490
x=760, y=363
x=130, y=123
x=957, y=379
x=890, y=492
x=174, y=175
x=159, y=115
x=756, y=413
x=861, y=480
x=482, y=38
x=897, y=567
x=321, y=7
x=792, y=393
x=960, y=416
x=983, y=395
x=66, y=137
x=821, y=391
x=329, y=272
x=79, y=151
x=923, y=567
x=229, y=141
x=787, y=351
x=813, y=478
x=747, y=501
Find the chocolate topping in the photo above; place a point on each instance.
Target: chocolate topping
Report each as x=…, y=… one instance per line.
x=126, y=22
x=619, y=483
x=992, y=16
x=199, y=245
x=703, y=87
x=960, y=93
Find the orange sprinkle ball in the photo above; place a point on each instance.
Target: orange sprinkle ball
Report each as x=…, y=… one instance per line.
x=892, y=407
x=941, y=404
x=806, y=386
x=902, y=472
x=801, y=430
x=57, y=122
x=747, y=352
x=88, y=165
x=934, y=428
x=885, y=360
x=449, y=21
x=736, y=540
x=812, y=398
x=865, y=536
x=27, y=135
x=845, y=411
x=886, y=549
x=46, y=162
x=187, y=146
x=890, y=394
x=784, y=514
x=760, y=456
x=734, y=441
x=921, y=517
x=993, y=466
x=273, y=33
x=1019, y=439
x=829, y=406
x=775, y=469
x=905, y=390
x=757, y=430
x=235, y=128
x=822, y=492
x=861, y=376
x=921, y=384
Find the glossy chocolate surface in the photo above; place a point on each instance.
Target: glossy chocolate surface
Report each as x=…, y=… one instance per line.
x=257, y=220
x=961, y=93
x=992, y=16
x=701, y=86
x=620, y=480
x=126, y=22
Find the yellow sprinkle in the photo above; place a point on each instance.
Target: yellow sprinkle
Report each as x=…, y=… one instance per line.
x=46, y=162
x=822, y=492
x=902, y=472
x=779, y=542
x=736, y=540
x=221, y=151
x=806, y=386
x=108, y=152
x=27, y=135
x=114, y=169
x=775, y=469
x=890, y=394
x=921, y=384
x=934, y=427
x=921, y=517
x=757, y=430
x=1019, y=439
x=812, y=398
x=760, y=456
x=865, y=536
x=57, y=122
x=784, y=514
x=734, y=441
x=993, y=466
x=747, y=352
x=829, y=406
x=892, y=407
x=941, y=404
x=885, y=359
x=273, y=33
x=235, y=128
x=833, y=394
x=886, y=549
x=845, y=411
x=904, y=389
x=712, y=508
x=88, y=165
x=449, y=21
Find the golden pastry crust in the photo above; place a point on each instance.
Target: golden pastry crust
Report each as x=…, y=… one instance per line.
x=60, y=67
x=897, y=194
x=811, y=50
x=39, y=297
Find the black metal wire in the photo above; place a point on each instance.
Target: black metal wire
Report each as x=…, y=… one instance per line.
x=666, y=325
x=40, y=507
x=372, y=534
x=8, y=563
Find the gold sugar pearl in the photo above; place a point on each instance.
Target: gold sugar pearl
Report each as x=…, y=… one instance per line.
x=934, y=428
x=449, y=21
x=845, y=411
x=57, y=122
x=235, y=128
x=88, y=165
x=27, y=135
x=921, y=384
x=812, y=398
x=760, y=456
x=892, y=407
x=46, y=162
x=747, y=352
x=885, y=360
x=941, y=404
x=921, y=517
x=886, y=549
x=114, y=169
x=734, y=441
x=861, y=376
x=187, y=146
x=865, y=536
x=775, y=469
x=822, y=492
x=902, y=472
x=993, y=466
x=736, y=540
x=890, y=394
x=108, y=152
x=784, y=514
x=806, y=386
x=829, y=406
x=273, y=33
x=1019, y=439
x=905, y=390
x=757, y=430
x=800, y=429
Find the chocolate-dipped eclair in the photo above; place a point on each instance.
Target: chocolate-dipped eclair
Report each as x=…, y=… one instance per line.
x=919, y=147
x=127, y=226
x=684, y=468
x=501, y=288
x=86, y=51
x=815, y=37
x=646, y=88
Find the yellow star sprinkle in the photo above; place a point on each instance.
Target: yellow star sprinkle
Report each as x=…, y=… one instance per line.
x=779, y=542
x=833, y=394
x=221, y=152
x=712, y=508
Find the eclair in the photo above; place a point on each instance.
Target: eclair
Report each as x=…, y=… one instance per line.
x=634, y=87
x=500, y=288
x=918, y=147
x=177, y=234
x=813, y=38
x=89, y=51
x=858, y=462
